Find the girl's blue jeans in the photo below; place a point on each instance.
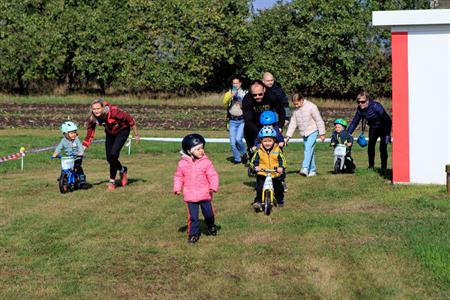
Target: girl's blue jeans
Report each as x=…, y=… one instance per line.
x=236, y=135
x=309, y=159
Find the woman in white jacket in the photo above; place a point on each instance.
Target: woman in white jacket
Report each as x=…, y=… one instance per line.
x=306, y=117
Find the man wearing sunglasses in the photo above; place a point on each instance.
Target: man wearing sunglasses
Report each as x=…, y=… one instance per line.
x=259, y=99
x=380, y=127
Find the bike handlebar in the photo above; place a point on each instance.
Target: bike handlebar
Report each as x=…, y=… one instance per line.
x=268, y=170
x=70, y=156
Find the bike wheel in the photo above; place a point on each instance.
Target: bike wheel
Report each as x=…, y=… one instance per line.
x=63, y=183
x=337, y=166
x=267, y=203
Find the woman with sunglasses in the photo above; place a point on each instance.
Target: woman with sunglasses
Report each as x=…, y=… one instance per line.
x=380, y=127
x=256, y=101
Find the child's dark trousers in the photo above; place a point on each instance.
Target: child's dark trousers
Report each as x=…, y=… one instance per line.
x=193, y=211
x=277, y=186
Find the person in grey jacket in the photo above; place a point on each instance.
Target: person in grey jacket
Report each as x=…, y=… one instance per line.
x=71, y=145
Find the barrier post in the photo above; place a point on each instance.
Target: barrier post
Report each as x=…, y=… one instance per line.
x=129, y=145
x=447, y=170
x=22, y=151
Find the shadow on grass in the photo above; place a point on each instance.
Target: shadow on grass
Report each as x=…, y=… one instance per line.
x=203, y=228
x=251, y=184
x=131, y=181
x=386, y=174
x=292, y=172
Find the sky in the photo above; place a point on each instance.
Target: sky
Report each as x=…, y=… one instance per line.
x=261, y=4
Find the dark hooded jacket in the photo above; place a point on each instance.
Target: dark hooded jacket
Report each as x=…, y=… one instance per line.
x=376, y=116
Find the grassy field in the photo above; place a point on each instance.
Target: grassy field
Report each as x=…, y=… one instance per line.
x=338, y=236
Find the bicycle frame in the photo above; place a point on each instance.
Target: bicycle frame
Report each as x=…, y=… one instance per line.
x=68, y=172
x=268, y=189
x=339, y=153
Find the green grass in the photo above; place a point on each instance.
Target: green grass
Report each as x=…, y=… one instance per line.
x=338, y=236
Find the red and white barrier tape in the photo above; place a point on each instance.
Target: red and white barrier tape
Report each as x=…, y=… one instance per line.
x=13, y=156
x=22, y=152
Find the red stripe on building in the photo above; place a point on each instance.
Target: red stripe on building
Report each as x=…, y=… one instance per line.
x=400, y=108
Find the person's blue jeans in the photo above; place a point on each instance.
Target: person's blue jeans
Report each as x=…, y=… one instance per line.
x=309, y=159
x=236, y=135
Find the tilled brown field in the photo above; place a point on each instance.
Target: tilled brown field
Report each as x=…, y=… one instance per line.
x=147, y=116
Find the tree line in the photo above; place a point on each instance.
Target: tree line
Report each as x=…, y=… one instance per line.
x=321, y=47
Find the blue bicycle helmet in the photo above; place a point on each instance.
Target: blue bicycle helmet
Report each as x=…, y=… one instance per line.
x=268, y=117
x=68, y=126
x=267, y=131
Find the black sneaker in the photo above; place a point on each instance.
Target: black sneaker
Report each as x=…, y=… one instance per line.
x=257, y=206
x=244, y=158
x=193, y=239
x=212, y=230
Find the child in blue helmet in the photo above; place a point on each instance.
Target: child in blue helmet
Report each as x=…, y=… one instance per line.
x=270, y=119
x=72, y=146
x=340, y=135
x=268, y=156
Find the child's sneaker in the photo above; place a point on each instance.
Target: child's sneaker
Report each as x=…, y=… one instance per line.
x=283, y=183
x=212, y=230
x=303, y=172
x=123, y=177
x=257, y=206
x=193, y=239
x=82, y=180
x=110, y=186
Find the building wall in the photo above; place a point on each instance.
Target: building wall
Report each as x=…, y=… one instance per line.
x=429, y=103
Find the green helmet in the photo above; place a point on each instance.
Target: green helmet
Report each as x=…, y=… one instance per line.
x=341, y=122
x=68, y=126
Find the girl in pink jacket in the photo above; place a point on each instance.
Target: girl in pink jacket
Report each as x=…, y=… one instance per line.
x=198, y=180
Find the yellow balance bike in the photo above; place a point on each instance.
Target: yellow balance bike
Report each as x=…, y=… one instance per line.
x=268, y=192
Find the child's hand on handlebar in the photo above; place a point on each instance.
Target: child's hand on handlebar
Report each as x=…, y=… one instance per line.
x=280, y=170
x=257, y=169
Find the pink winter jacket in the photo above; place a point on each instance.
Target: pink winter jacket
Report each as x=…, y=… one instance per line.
x=195, y=178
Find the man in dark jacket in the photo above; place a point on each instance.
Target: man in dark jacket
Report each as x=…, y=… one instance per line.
x=275, y=88
x=380, y=127
x=254, y=103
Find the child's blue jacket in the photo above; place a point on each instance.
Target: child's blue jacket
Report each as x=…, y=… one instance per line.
x=71, y=148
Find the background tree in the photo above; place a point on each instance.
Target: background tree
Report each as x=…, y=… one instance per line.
x=31, y=47
x=322, y=47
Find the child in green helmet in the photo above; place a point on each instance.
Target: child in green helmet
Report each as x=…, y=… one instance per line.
x=340, y=135
x=72, y=146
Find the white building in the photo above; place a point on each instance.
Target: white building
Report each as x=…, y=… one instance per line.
x=420, y=93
